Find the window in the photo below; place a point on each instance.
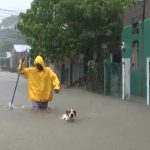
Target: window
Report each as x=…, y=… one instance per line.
x=135, y=55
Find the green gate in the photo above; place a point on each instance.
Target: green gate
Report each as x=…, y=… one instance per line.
x=112, y=79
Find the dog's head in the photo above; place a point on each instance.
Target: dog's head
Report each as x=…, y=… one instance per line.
x=71, y=113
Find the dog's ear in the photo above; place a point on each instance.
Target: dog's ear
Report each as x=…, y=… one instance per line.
x=74, y=112
x=67, y=112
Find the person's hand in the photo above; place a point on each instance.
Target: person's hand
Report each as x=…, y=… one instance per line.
x=56, y=90
x=22, y=59
x=21, y=63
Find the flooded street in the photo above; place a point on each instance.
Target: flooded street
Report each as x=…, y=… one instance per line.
x=104, y=123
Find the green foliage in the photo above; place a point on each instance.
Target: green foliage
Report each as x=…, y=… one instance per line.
x=92, y=66
x=9, y=35
x=66, y=28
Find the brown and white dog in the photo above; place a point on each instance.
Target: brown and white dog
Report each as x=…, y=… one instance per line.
x=70, y=115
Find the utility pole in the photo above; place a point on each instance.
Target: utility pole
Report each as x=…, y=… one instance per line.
x=142, y=69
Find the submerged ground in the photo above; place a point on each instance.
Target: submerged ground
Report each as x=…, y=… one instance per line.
x=104, y=123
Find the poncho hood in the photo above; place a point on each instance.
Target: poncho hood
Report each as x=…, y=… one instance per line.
x=40, y=61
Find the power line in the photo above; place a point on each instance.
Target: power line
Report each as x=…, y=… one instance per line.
x=5, y=12
x=3, y=16
x=8, y=10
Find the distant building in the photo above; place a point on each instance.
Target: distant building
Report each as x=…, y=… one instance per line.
x=6, y=62
x=17, y=52
x=70, y=72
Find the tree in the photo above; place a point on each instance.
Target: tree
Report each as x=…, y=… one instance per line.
x=66, y=28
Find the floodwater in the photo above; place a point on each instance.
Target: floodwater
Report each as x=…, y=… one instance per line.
x=103, y=123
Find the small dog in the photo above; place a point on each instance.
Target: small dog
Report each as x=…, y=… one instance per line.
x=70, y=115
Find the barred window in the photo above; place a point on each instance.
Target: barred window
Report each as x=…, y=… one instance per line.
x=135, y=55
x=135, y=29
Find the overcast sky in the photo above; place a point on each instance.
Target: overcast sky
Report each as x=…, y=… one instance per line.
x=16, y=5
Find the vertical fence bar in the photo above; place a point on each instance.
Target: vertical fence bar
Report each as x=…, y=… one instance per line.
x=147, y=66
x=123, y=83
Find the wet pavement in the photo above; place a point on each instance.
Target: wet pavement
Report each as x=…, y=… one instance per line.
x=103, y=123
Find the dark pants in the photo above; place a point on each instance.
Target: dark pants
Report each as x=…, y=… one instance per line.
x=39, y=105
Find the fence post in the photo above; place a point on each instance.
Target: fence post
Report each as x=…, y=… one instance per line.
x=148, y=63
x=104, y=78
x=123, y=84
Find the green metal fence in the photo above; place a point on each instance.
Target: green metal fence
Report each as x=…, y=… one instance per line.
x=112, y=79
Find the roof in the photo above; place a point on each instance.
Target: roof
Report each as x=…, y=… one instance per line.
x=21, y=48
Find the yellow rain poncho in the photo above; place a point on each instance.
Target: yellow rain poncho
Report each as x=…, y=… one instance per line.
x=40, y=83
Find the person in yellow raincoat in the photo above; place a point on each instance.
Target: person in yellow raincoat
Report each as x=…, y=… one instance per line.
x=42, y=81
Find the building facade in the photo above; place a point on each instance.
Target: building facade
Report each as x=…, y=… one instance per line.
x=136, y=41
x=17, y=52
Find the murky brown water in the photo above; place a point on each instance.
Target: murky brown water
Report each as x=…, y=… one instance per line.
x=104, y=123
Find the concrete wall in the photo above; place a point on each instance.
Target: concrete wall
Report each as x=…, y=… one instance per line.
x=134, y=12
x=128, y=38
